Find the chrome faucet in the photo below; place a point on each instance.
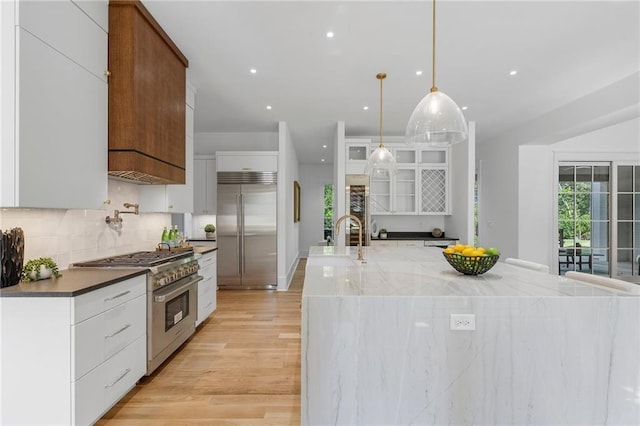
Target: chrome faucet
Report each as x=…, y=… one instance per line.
x=357, y=219
x=116, y=214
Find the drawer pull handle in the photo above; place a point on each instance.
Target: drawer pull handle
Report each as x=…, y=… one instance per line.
x=112, y=384
x=118, y=332
x=124, y=293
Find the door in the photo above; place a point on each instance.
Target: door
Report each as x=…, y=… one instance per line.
x=258, y=262
x=228, y=238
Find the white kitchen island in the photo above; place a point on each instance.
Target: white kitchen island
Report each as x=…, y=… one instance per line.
x=378, y=349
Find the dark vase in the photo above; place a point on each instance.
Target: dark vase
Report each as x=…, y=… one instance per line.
x=11, y=256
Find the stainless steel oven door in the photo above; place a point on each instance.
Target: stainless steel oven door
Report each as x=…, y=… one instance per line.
x=173, y=317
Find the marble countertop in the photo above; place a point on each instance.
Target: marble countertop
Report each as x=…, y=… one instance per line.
x=73, y=282
x=423, y=271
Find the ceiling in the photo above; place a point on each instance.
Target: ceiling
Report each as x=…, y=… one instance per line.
x=561, y=50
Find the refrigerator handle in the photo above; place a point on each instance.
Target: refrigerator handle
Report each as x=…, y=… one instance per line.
x=239, y=249
x=242, y=232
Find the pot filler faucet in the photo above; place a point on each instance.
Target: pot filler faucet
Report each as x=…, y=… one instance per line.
x=337, y=231
x=116, y=214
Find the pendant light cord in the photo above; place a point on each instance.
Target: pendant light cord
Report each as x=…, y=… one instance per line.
x=433, y=51
x=381, y=76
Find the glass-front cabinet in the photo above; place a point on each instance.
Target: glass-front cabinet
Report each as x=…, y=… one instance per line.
x=420, y=184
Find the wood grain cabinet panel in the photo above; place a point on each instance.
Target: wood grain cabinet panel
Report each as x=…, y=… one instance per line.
x=147, y=98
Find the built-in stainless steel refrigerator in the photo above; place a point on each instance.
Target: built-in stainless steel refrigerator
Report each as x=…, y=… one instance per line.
x=246, y=230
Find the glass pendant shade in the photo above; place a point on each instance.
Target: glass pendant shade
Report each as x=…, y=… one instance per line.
x=381, y=164
x=436, y=120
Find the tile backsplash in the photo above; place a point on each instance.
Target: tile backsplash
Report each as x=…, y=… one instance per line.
x=75, y=235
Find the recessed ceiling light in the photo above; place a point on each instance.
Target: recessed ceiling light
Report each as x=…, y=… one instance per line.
x=365, y=108
x=268, y=106
x=419, y=72
x=322, y=160
x=330, y=34
x=464, y=108
x=513, y=72
x=324, y=146
x=253, y=70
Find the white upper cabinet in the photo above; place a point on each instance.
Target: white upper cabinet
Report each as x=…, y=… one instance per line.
x=357, y=155
x=204, y=186
x=247, y=161
x=53, y=152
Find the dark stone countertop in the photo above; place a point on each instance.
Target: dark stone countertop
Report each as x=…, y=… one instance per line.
x=202, y=239
x=428, y=236
x=73, y=282
x=204, y=249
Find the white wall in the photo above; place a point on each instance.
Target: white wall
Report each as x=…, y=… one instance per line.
x=498, y=197
x=288, y=231
x=339, y=167
x=209, y=143
x=459, y=223
x=620, y=142
x=313, y=178
x=69, y=236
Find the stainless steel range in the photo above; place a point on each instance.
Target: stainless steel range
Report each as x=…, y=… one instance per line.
x=171, y=297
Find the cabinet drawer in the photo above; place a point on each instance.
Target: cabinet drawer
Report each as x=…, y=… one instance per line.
x=206, y=298
x=206, y=260
x=59, y=24
x=96, y=302
x=99, y=390
x=241, y=163
x=411, y=243
x=383, y=243
x=100, y=337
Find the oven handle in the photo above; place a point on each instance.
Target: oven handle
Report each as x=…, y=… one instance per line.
x=162, y=297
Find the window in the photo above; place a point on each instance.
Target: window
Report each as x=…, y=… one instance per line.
x=328, y=211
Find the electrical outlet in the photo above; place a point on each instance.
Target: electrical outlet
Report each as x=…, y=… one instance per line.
x=465, y=322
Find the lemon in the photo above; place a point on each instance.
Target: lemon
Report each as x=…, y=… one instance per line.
x=458, y=248
x=482, y=250
x=477, y=253
x=468, y=251
x=449, y=250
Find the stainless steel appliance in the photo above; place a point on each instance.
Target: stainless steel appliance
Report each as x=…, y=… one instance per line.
x=246, y=230
x=171, y=297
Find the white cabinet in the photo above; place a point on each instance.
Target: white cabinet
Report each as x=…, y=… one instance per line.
x=53, y=151
x=245, y=161
x=205, y=181
x=175, y=198
x=357, y=154
x=420, y=184
x=67, y=360
x=208, y=286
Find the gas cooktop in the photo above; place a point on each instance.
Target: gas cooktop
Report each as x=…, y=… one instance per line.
x=139, y=258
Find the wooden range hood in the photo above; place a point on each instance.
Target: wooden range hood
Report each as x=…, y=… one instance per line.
x=147, y=94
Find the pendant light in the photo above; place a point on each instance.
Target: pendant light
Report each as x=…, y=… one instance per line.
x=381, y=163
x=437, y=119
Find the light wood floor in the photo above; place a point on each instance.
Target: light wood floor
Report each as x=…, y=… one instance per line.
x=242, y=367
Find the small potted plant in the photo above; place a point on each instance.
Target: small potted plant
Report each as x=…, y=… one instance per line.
x=383, y=233
x=40, y=269
x=210, y=231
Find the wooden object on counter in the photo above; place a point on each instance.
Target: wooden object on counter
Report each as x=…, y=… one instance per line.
x=147, y=92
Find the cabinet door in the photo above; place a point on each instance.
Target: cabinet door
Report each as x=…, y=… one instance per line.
x=246, y=162
x=404, y=191
x=434, y=187
x=200, y=186
x=380, y=195
x=205, y=181
x=62, y=131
